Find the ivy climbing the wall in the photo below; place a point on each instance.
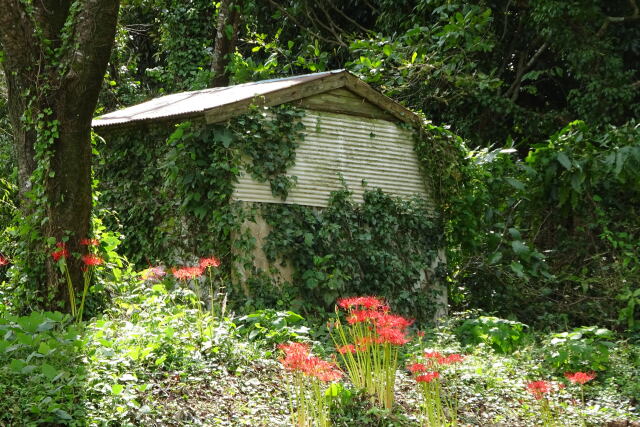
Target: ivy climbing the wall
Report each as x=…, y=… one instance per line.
x=383, y=246
x=171, y=184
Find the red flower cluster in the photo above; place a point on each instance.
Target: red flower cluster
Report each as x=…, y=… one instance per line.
x=298, y=358
x=432, y=355
x=3, y=260
x=61, y=252
x=417, y=367
x=184, y=273
x=209, y=262
x=433, y=360
x=348, y=348
x=368, y=302
x=539, y=388
x=92, y=260
x=450, y=359
x=391, y=335
x=580, y=377
x=89, y=242
x=428, y=377
x=389, y=328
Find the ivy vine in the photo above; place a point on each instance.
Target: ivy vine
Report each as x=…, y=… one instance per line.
x=382, y=246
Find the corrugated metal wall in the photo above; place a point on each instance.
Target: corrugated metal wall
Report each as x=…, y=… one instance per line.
x=376, y=151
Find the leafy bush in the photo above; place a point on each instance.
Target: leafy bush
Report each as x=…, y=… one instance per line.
x=272, y=327
x=41, y=372
x=584, y=349
x=504, y=336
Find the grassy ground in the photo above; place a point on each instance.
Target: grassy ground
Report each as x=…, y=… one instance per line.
x=155, y=359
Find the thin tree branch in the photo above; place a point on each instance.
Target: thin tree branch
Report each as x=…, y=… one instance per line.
x=506, y=20
x=315, y=20
x=620, y=19
x=347, y=17
x=514, y=90
x=372, y=7
x=298, y=23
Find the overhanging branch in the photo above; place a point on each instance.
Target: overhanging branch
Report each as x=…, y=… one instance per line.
x=635, y=16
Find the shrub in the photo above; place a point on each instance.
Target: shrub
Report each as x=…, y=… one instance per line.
x=272, y=327
x=583, y=349
x=504, y=336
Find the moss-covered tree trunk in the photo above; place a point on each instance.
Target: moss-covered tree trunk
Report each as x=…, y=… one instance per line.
x=55, y=55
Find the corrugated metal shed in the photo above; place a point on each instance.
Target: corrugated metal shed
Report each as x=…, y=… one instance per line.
x=357, y=149
x=351, y=134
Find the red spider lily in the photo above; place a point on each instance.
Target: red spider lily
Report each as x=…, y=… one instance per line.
x=154, y=273
x=450, y=359
x=391, y=336
x=91, y=259
x=428, y=377
x=89, y=242
x=296, y=355
x=321, y=369
x=580, y=377
x=420, y=334
x=298, y=358
x=209, y=262
x=184, y=273
x=417, y=367
x=3, y=260
x=432, y=355
x=539, y=388
x=392, y=321
x=358, y=316
x=368, y=302
x=347, y=348
x=61, y=252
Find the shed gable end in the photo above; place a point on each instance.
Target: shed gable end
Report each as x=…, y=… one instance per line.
x=344, y=101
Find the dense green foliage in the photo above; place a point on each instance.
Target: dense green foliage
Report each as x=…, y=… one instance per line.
x=382, y=246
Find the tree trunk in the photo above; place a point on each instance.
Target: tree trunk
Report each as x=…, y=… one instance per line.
x=228, y=21
x=56, y=53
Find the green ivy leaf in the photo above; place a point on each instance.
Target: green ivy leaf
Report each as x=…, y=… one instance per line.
x=564, y=160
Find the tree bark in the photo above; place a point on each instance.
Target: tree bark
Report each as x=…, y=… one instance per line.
x=56, y=54
x=225, y=44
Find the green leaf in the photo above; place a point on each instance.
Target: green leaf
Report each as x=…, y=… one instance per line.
x=17, y=365
x=494, y=258
x=49, y=371
x=518, y=185
x=387, y=50
x=517, y=268
x=519, y=248
x=44, y=348
x=116, y=389
x=564, y=160
x=63, y=415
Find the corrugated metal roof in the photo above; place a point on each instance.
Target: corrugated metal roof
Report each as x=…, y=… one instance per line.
x=219, y=104
x=196, y=102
